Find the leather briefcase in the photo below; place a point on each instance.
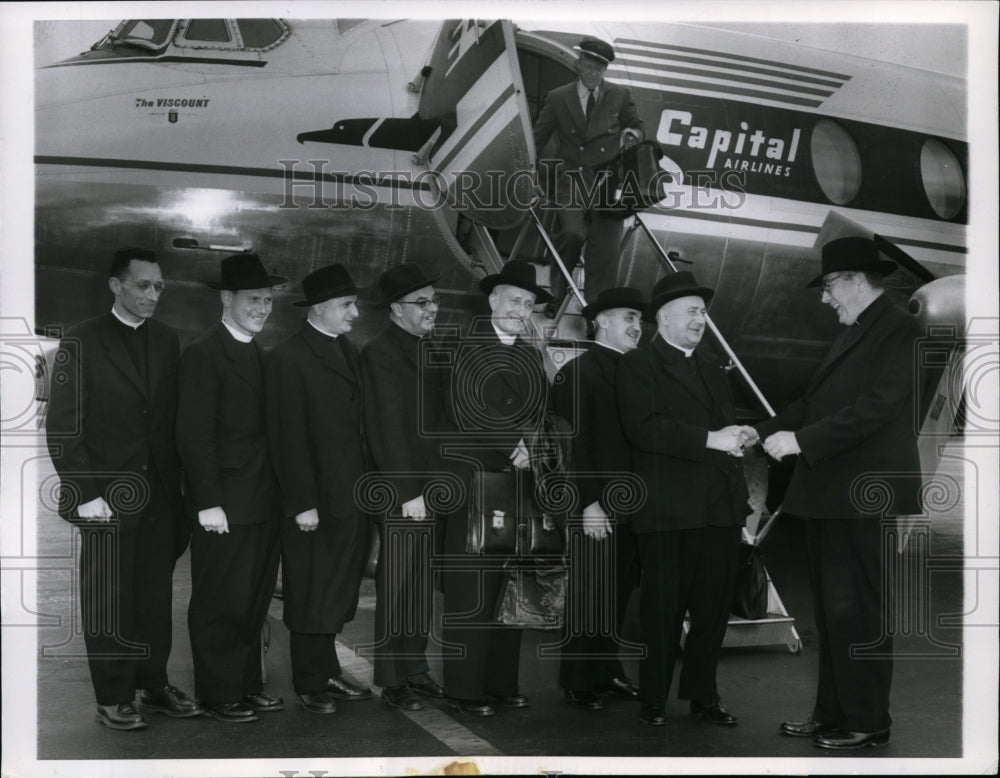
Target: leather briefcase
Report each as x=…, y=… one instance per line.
x=493, y=513
x=635, y=179
x=542, y=536
x=750, y=593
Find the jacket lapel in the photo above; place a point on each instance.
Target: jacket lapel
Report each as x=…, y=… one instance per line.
x=328, y=352
x=118, y=354
x=240, y=366
x=848, y=339
x=675, y=363
x=575, y=109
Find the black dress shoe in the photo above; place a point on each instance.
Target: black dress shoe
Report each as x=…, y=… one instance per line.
x=401, y=697
x=714, y=714
x=318, y=702
x=509, y=701
x=171, y=701
x=121, y=716
x=852, y=740
x=425, y=685
x=654, y=715
x=472, y=707
x=234, y=712
x=262, y=703
x=342, y=689
x=584, y=700
x=808, y=728
x=623, y=687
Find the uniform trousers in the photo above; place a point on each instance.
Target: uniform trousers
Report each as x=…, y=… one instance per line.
x=602, y=237
x=232, y=579
x=404, y=599
x=848, y=578
x=490, y=651
x=602, y=575
x=126, y=591
x=686, y=570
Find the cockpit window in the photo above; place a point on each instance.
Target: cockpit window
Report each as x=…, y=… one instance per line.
x=152, y=34
x=207, y=30
x=260, y=33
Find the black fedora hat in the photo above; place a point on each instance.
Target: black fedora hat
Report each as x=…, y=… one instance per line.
x=325, y=284
x=517, y=273
x=244, y=271
x=618, y=297
x=679, y=284
x=595, y=48
x=399, y=281
x=852, y=254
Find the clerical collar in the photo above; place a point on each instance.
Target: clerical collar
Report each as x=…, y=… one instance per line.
x=320, y=330
x=505, y=337
x=133, y=325
x=242, y=337
x=687, y=351
x=611, y=348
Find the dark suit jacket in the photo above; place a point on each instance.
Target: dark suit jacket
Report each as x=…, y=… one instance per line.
x=856, y=424
x=495, y=395
x=583, y=393
x=404, y=412
x=222, y=429
x=585, y=146
x=107, y=421
x=667, y=412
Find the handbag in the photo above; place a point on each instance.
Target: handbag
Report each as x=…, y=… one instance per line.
x=750, y=595
x=534, y=598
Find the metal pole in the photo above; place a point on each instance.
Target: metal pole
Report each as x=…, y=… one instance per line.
x=555, y=255
x=711, y=325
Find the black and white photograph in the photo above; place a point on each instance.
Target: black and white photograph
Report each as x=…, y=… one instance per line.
x=478, y=388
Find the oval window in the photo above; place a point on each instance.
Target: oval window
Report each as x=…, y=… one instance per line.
x=836, y=162
x=944, y=183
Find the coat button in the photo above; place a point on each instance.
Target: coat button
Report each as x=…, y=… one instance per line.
x=145, y=467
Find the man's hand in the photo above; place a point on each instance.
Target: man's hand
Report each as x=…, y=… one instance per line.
x=520, y=457
x=630, y=137
x=596, y=523
x=726, y=439
x=214, y=519
x=95, y=509
x=414, y=509
x=748, y=436
x=307, y=521
x=782, y=444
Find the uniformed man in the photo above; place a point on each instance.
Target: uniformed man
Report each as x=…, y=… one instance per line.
x=315, y=396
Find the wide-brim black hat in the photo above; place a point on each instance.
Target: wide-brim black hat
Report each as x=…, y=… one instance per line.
x=244, y=271
x=618, y=297
x=673, y=286
x=325, y=284
x=517, y=273
x=595, y=48
x=399, y=281
x=852, y=254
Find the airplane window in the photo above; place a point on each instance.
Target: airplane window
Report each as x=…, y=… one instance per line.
x=209, y=30
x=151, y=31
x=836, y=162
x=259, y=33
x=944, y=183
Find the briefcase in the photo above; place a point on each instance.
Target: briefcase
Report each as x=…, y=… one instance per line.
x=750, y=595
x=493, y=513
x=636, y=177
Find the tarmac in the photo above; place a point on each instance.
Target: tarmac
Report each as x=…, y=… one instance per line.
x=762, y=685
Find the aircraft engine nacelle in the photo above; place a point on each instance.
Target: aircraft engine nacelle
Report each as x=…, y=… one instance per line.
x=941, y=303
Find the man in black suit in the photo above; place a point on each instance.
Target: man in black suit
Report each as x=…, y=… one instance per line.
x=496, y=398
x=591, y=119
x=402, y=405
x=604, y=558
x=110, y=432
x=678, y=415
x=222, y=440
x=314, y=411
x=853, y=431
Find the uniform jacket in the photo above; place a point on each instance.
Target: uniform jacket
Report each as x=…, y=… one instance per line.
x=404, y=412
x=856, y=424
x=583, y=393
x=105, y=421
x=667, y=412
x=586, y=146
x=222, y=429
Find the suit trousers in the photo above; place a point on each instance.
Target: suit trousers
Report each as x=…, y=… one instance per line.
x=126, y=592
x=602, y=575
x=490, y=651
x=232, y=580
x=602, y=236
x=847, y=575
x=404, y=599
x=314, y=660
x=687, y=570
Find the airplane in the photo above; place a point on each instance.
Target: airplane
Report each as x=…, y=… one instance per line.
x=376, y=142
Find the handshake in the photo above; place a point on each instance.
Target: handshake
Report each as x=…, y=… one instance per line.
x=732, y=439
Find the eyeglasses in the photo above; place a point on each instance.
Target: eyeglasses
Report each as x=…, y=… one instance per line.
x=423, y=302
x=827, y=285
x=145, y=286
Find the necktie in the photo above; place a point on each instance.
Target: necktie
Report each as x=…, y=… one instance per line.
x=590, y=102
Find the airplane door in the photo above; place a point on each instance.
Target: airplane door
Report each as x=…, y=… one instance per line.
x=485, y=154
